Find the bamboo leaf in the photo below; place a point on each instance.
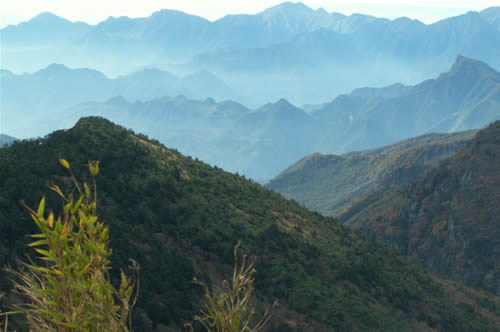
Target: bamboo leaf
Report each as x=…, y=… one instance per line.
x=38, y=243
x=41, y=207
x=38, y=236
x=87, y=190
x=77, y=205
x=64, y=163
x=43, y=252
x=59, y=273
x=39, y=269
x=50, y=220
x=57, y=190
x=67, y=207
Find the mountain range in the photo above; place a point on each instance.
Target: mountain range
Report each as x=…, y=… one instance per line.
x=433, y=197
x=226, y=134
x=261, y=142
x=465, y=97
x=58, y=87
x=331, y=183
x=289, y=51
x=395, y=151
x=180, y=218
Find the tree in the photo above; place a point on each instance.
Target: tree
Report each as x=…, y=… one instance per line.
x=72, y=291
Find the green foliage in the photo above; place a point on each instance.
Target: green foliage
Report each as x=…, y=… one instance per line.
x=71, y=290
x=180, y=218
x=229, y=308
x=446, y=218
x=330, y=184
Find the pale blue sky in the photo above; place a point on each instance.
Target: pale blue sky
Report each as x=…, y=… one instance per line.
x=93, y=11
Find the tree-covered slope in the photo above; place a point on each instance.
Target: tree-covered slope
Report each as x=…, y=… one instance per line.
x=445, y=219
x=180, y=218
x=330, y=183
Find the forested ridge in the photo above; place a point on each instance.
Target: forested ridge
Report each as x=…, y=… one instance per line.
x=446, y=218
x=180, y=218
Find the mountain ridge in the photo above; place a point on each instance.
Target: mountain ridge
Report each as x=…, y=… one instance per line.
x=328, y=51
x=445, y=218
x=331, y=183
x=58, y=87
x=456, y=100
x=187, y=221
x=246, y=139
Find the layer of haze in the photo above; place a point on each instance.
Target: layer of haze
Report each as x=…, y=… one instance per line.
x=94, y=11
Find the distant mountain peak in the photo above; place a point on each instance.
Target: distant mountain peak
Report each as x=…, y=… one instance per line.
x=283, y=103
x=47, y=17
x=166, y=15
x=281, y=107
x=321, y=10
x=168, y=12
x=464, y=64
x=56, y=67
x=117, y=101
x=291, y=7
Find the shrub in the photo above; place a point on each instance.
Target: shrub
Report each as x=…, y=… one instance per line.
x=72, y=291
x=228, y=308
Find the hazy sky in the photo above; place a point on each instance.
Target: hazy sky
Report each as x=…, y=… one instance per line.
x=93, y=11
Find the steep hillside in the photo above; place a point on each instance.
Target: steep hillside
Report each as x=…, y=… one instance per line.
x=180, y=218
x=330, y=183
x=447, y=218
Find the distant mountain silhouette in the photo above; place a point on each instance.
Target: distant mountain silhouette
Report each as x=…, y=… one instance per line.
x=44, y=29
x=226, y=134
x=57, y=87
x=290, y=50
x=466, y=97
x=245, y=140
